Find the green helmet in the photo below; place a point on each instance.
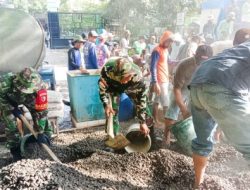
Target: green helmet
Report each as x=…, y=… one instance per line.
x=123, y=66
x=117, y=67
x=28, y=81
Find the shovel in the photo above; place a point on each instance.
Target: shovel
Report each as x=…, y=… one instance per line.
x=116, y=142
x=44, y=146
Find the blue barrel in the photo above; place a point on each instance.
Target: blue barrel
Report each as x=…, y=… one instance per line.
x=126, y=108
x=48, y=75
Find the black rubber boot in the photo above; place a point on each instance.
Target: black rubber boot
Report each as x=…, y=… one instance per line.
x=16, y=154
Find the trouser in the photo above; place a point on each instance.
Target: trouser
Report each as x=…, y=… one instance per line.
x=12, y=134
x=213, y=104
x=116, y=125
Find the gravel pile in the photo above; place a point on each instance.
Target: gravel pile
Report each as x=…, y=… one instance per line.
x=156, y=170
x=216, y=183
x=86, y=166
x=102, y=170
x=40, y=174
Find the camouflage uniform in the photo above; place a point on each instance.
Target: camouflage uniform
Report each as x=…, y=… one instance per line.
x=111, y=74
x=20, y=89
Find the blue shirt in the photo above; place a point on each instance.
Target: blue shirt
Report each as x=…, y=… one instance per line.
x=74, y=59
x=155, y=56
x=90, y=57
x=230, y=69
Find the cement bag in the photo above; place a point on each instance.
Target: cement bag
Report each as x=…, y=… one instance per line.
x=54, y=96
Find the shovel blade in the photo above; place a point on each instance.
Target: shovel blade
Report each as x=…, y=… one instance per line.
x=118, y=142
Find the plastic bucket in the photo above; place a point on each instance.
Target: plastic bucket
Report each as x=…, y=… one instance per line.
x=126, y=108
x=138, y=142
x=184, y=134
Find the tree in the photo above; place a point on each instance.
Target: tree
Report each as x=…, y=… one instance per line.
x=64, y=6
x=83, y=6
x=142, y=16
x=31, y=6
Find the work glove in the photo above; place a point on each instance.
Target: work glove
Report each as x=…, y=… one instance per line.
x=41, y=138
x=17, y=112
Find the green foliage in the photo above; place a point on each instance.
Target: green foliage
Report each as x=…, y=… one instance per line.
x=40, y=6
x=142, y=16
x=31, y=6
x=83, y=6
x=64, y=6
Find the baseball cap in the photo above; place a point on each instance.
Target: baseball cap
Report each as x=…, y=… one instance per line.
x=93, y=33
x=78, y=38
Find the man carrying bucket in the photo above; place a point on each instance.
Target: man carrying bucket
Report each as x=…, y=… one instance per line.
x=220, y=94
x=180, y=100
x=119, y=75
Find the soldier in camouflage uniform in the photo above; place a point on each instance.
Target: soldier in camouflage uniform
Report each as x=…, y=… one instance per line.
x=23, y=89
x=118, y=76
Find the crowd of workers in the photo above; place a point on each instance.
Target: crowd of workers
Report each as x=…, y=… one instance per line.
x=185, y=78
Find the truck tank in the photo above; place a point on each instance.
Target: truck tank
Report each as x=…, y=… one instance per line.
x=21, y=41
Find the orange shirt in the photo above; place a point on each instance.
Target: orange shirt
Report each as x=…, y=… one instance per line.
x=162, y=65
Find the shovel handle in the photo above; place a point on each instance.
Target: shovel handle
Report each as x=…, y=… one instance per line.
x=110, y=129
x=44, y=146
x=27, y=124
x=20, y=127
x=50, y=152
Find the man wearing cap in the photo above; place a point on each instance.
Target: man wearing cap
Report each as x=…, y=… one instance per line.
x=219, y=93
x=89, y=51
x=75, y=61
x=119, y=75
x=24, y=88
x=160, y=73
x=180, y=99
